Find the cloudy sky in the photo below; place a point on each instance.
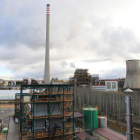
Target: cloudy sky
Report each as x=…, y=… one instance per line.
x=99, y=35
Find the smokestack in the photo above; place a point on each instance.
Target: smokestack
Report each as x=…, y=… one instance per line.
x=132, y=74
x=47, y=56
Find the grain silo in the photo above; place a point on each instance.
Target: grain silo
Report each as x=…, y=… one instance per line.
x=132, y=74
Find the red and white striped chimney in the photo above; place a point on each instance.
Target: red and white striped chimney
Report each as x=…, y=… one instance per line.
x=47, y=56
x=48, y=9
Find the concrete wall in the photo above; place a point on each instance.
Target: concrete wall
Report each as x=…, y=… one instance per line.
x=111, y=104
x=132, y=74
x=98, y=87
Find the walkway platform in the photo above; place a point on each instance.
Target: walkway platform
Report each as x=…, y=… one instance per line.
x=13, y=132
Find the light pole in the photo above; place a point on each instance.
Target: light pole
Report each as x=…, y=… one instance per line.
x=129, y=132
x=121, y=129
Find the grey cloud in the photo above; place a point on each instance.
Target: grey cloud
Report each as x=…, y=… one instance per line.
x=32, y=73
x=116, y=42
x=119, y=36
x=62, y=74
x=63, y=64
x=21, y=55
x=75, y=29
x=97, y=60
x=113, y=73
x=25, y=26
x=31, y=37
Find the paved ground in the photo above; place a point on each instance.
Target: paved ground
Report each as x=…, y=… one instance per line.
x=3, y=113
x=13, y=133
x=4, y=137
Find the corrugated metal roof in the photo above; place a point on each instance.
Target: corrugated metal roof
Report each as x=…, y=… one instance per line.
x=78, y=115
x=109, y=134
x=82, y=135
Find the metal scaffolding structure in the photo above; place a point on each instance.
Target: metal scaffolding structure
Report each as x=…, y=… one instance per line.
x=47, y=112
x=81, y=78
x=17, y=105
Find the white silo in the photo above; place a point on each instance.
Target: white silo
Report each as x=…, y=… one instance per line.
x=102, y=121
x=132, y=74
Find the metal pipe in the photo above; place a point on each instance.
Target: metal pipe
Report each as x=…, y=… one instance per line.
x=47, y=53
x=129, y=132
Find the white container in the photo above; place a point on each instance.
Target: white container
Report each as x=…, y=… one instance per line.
x=102, y=122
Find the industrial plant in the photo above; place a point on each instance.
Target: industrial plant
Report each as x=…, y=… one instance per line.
x=46, y=112
x=83, y=108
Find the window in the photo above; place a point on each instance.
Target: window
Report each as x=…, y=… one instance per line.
x=113, y=85
x=108, y=85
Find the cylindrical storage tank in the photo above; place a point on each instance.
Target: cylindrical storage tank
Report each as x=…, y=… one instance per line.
x=132, y=79
x=102, y=122
x=90, y=119
x=90, y=138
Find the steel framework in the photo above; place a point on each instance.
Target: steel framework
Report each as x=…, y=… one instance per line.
x=47, y=112
x=17, y=105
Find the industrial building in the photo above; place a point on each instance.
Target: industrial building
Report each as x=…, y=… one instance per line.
x=4, y=83
x=121, y=84
x=109, y=85
x=56, y=81
x=81, y=78
x=95, y=79
x=47, y=111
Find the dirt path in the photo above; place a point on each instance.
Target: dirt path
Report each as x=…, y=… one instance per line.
x=7, y=106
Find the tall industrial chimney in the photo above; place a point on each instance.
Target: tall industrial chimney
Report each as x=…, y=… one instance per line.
x=47, y=56
x=132, y=74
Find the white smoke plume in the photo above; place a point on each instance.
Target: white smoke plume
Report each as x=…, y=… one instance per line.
x=63, y=64
x=72, y=65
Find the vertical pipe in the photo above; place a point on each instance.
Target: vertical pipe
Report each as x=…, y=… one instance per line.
x=47, y=56
x=49, y=115
x=21, y=117
x=129, y=132
x=33, y=112
x=63, y=113
x=73, y=113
